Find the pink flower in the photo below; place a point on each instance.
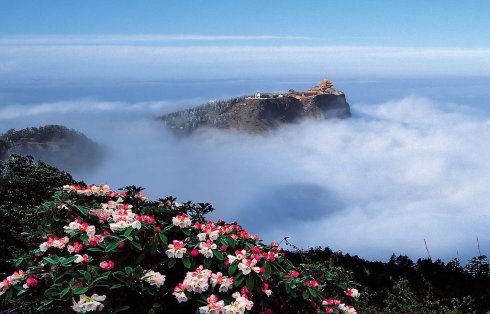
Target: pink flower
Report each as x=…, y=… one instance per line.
x=352, y=292
x=31, y=282
x=266, y=290
x=75, y=248
x=147, y=219
x=224, y=247
x=292, y=274
x=311, y=283
x=107, y=265
x=121, y=245
x=158, y=229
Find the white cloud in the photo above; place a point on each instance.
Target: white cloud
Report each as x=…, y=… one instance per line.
x=157, y=56
x=375, y=184
x=133, y=39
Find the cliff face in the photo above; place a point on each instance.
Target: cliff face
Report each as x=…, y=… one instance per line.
x=55, y=144
x=261, y=112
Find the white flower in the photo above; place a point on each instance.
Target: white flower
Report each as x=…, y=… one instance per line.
x=182, y=221
x=206, y=248
x=198, y=280
x=154, y=278
x=78, y=258
x=90, y=231
x=347, y=309
x=240, y=304
x=248, y=265
x=201, y=236
x=214, y=306
x=352, y=292
x=89, y=304
x=72, y=227
x=176, y=250
x=179, y=293
x=43, y=247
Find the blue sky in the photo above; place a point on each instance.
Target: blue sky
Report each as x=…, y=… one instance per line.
x=380, y=23
x=141, y=40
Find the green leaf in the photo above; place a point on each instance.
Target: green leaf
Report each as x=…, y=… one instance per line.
x=231, y=270
x=207, y=262
x=223, y=241
x=87, y=276
x=187, y=262
x=250, y=282
x=95, y=249
x=122, y=309
x=112, y=246
x=267, y=268
x=82, y=210
x=163, y=238
x=19, y=261
x=21, y=292
x=115, y=286
x=79, y=290
x=128, y=270
x=50, y=260
x=67, y=261
x=140, y=258
x=218, y=255
x=312, y=292
x=171, y=263
x=239, y=280
x=64, y=292
x=305, y=295
x=128, y=231
x=137, y=245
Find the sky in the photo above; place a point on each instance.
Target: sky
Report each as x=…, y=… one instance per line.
x=228, y=39
x=414, y=23
x=411, y=164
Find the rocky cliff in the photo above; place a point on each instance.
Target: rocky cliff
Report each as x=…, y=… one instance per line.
x=262, y=112
x=55, y=144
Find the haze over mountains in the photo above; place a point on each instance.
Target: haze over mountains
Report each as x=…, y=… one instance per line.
x=395, y=173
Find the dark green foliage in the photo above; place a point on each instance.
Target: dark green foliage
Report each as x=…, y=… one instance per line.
x=24, y=184
x=425, y=286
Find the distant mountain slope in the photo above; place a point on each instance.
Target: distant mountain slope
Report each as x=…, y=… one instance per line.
x=55, y=144
x=262, y=112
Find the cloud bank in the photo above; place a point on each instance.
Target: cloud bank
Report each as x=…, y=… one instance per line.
x=381, y=182
x=195, y=56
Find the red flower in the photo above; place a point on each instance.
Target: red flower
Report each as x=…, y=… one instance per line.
x=194, y=253
x=224, y=247
x=158, y=229
x=121, y=245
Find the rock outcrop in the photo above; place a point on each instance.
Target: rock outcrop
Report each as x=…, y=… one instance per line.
x=54, y=144
x=262, y=112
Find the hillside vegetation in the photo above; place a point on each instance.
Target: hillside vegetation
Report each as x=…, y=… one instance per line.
x=67, y=246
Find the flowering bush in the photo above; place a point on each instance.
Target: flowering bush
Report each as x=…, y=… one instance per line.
x=117, y=251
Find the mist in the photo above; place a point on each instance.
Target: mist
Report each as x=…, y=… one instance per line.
x=396, y=173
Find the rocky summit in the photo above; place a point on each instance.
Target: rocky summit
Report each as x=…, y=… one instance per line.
x=262, y=111
x=55, y=144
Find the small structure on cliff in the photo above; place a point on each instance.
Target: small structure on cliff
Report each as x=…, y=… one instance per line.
x=262, y=111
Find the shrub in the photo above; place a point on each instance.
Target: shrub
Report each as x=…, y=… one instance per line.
x=117, y=251
x=24, y=184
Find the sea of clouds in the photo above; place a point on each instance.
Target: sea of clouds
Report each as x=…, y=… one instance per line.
x=381, y=182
